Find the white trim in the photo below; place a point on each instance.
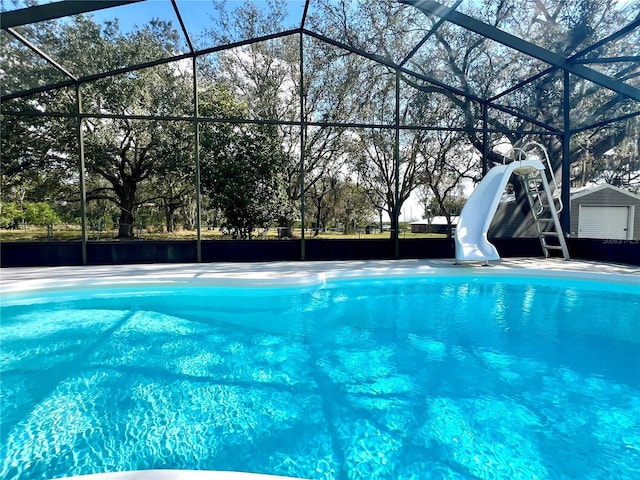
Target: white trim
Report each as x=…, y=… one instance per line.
x=589, y=191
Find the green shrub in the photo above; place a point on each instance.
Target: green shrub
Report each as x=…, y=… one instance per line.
x=34, y=213
x=10, y=215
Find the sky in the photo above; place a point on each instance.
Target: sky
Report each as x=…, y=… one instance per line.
x=196, y=14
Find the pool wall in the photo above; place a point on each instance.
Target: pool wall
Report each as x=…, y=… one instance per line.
x=57, y=253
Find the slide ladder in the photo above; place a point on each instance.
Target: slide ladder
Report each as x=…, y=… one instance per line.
x=545, y=202
x=545, y=207
x=471, y=242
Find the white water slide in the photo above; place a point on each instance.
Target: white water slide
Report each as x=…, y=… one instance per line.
x=471, y=232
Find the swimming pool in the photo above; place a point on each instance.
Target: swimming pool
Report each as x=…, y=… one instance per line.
x=392, y=374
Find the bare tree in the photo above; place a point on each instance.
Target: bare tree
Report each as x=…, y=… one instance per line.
x=448, y=163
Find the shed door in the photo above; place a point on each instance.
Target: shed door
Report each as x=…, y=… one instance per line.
x=604, y=222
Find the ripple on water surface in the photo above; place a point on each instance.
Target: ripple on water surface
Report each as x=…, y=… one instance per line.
x=358, y=380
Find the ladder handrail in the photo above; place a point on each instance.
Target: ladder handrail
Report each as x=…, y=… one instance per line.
x=530, y=192
x=556, y=223
x=538, y=210
x=522, y=155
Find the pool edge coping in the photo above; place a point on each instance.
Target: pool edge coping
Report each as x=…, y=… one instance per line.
x=284, y=274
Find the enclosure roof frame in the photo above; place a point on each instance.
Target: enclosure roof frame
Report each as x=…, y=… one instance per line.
x=573, y=64
x=528, y=48
x=55, y=10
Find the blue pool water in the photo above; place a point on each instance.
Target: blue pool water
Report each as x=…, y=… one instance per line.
x=409, y=378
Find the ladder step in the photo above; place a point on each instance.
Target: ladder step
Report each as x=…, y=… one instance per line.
x=550, y=234
x=553, y=247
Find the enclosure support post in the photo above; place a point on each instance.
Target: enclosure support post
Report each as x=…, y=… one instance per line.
x=485, y=138
x=303, y=131
x=196, y=132
x=81, y=167
x=396, y=155
x=565, y=214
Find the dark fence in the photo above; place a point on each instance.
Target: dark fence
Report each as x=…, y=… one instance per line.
x=31, y=254
x=249, y=250
x=34, y=254
x=614, y=251
x=115, y=253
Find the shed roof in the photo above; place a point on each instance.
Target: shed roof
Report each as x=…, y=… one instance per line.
x=586, y=191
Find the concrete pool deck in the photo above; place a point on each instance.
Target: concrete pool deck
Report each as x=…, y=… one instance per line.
x=14, y=280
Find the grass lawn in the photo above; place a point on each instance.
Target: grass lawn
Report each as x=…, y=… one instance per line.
x=73, y=232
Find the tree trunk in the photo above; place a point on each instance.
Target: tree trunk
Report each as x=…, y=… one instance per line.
x=285, y=228
x=126, y=224
x=316, y=231
x=449, y=227
x=394, y=223
x=169, y=216
x=127, y=197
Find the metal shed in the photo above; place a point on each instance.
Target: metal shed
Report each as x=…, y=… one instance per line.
x=606, y=212
x=602, y=211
